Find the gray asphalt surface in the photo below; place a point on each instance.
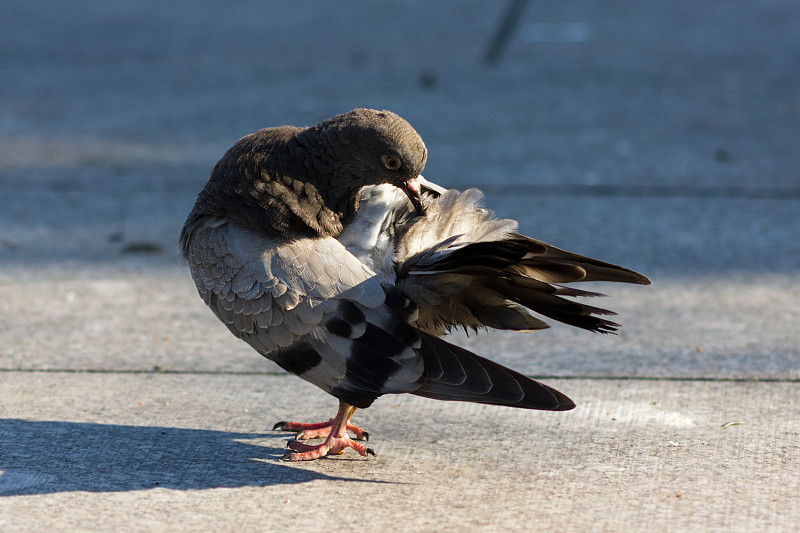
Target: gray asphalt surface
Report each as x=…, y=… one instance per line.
x=661, y=136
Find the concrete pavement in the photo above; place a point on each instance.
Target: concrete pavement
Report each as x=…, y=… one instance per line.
x=161, y=452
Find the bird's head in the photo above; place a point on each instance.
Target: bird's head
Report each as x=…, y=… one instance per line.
x=372, y=147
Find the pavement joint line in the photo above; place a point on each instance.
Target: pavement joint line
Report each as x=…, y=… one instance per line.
x=645, y=191
x=560, y=190
x=284, y=374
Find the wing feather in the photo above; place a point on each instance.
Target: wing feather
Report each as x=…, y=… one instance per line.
x=289, y=298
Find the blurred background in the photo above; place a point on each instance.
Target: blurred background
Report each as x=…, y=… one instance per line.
x=659, y=135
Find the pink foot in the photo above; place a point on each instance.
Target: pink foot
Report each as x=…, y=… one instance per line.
x=334, y=431
x=331, y=446
x=319, y=430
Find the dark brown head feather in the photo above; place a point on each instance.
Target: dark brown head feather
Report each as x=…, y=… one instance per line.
x=306, y=181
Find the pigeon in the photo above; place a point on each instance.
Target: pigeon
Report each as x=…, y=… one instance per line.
x=326, y=250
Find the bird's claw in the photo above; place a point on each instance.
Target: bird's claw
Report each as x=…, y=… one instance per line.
x=316, y=431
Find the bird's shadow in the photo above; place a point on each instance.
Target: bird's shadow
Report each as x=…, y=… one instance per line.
x=42, y=457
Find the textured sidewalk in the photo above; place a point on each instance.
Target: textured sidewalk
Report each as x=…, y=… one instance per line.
x=99, y=452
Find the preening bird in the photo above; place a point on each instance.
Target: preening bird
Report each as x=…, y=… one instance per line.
x=326, y=250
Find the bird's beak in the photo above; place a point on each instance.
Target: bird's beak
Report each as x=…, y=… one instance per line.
x=412, y=190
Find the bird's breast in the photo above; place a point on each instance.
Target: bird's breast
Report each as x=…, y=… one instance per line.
x=370, y=236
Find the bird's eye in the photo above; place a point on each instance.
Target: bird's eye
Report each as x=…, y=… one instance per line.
x=391, y=162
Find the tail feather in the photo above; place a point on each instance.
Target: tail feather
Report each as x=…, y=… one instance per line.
x=456, y=374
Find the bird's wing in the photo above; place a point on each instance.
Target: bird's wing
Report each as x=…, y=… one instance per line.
x=463, y=267
x=310, y=306
x=451, y=372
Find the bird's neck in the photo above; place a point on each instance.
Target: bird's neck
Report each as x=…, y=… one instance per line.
x=281, y=192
